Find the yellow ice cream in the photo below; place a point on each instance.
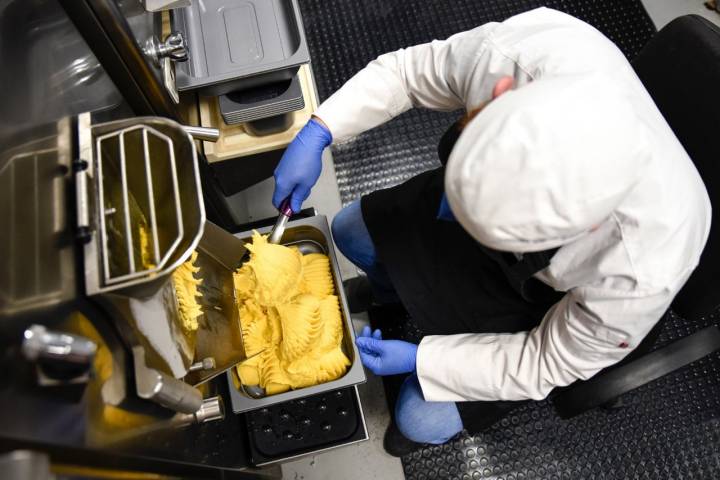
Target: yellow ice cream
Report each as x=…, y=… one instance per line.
x=291, y=320
x=276, y=270
x=184, y=281
x=187, y=294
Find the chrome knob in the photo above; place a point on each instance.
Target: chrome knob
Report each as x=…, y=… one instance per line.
x=60, y=358
x=174, y=47
x=212, y=409
x=40, y=343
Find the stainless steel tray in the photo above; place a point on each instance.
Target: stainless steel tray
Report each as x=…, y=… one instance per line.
x=315, y=230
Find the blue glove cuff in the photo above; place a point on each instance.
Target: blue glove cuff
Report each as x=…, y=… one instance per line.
x=414, y=357
x=316, y=129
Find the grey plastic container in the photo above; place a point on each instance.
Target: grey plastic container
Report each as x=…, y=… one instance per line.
x=262, y=102
x=313, y=229
x=269, y=125
x=237, y=44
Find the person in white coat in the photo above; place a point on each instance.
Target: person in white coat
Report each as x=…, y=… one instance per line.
x=564, y=220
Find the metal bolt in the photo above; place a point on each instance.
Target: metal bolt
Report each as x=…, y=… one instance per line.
x=206, y=364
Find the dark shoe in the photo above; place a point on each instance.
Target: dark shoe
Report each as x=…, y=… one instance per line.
x=396, y=444
x=358, y=293
x=615, y=404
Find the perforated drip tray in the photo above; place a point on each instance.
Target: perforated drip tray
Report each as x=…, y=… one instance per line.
x=307, y=425
x=237, y=44
x=262, y=102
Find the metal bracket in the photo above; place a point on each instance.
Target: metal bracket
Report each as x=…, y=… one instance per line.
x=168, y=74
x=163, y=54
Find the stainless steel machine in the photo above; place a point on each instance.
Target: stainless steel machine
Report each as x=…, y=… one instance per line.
x=104, y=194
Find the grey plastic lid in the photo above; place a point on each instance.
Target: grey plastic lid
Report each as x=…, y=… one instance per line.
x=236, y=44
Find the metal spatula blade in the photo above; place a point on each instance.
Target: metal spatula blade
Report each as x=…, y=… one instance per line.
x=254, y=391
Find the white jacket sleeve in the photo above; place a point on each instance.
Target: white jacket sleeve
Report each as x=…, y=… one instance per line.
x=460, y=72
x=430, y=75
x=586, y=331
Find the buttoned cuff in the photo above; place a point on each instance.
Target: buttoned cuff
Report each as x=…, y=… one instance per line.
x=432, y=371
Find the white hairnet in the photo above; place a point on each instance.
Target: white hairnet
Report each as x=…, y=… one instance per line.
x=543, y=164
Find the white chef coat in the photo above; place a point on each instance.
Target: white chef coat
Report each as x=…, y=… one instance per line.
x=623, y=258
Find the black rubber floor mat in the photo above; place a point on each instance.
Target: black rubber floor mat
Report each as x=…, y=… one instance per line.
x=344, y=35
x=668, y=429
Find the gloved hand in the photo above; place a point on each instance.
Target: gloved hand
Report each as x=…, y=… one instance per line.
x=300, y=165
x=385, y=357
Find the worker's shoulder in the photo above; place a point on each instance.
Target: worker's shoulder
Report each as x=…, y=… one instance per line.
x=547, y=41
x=545, y=16
x=539, y=21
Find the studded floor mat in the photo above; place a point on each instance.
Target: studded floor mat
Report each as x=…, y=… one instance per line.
x=668, y=429
x=344, y=35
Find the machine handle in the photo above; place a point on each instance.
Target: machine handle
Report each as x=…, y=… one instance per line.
x=82, y=202
x=203, y=133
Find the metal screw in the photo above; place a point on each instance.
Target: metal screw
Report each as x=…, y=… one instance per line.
x=205, y=364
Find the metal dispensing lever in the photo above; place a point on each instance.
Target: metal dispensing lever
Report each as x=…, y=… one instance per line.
x=163, y=389
x=277, y=231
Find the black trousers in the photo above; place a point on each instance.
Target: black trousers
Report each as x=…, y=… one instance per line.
x=447, y=282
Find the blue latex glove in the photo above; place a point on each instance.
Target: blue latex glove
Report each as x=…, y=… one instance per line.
x=385, y=357
x=444, y=212
x=300, y=165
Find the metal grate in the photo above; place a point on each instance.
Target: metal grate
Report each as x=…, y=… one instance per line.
x=127, y=188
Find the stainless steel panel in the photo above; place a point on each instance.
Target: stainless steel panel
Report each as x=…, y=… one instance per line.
x=38, y=268
x=48, y=70
x=49, y=74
